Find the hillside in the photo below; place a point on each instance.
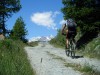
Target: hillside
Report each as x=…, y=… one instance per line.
x=92, y=49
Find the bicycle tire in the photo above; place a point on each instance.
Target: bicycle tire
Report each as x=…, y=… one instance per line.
x=67, y=51
x=72, y=48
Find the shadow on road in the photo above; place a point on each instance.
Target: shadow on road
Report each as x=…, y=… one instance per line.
x=68, y=53
x=76, y=57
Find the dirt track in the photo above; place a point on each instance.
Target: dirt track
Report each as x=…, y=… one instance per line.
x=49, y=60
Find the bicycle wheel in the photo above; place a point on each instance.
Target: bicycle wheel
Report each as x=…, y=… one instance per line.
x=67, y=51
x=72, y=49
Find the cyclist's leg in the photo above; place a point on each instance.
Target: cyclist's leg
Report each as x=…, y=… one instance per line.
x=67, y=47
x=67, y=43
x=74, y=41
x=67, y=38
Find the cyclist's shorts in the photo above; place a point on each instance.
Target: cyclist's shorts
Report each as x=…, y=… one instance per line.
x=71, y=34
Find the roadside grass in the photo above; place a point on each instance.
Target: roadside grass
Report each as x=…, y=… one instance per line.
x=92, y=49
x=86, y=69
x=13, y=59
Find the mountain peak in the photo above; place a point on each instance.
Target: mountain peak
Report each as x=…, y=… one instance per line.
x=41, y=38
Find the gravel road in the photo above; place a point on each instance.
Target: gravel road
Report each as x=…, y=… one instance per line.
x=49, y=60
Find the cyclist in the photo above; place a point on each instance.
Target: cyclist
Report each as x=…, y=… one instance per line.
x=69, y=30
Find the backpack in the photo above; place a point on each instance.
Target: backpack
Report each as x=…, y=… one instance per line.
x=71, y=25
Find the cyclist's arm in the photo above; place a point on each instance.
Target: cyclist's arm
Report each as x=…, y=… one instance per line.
x=63, y=29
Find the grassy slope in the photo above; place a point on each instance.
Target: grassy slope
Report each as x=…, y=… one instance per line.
x=92, y=49
x=13, y=59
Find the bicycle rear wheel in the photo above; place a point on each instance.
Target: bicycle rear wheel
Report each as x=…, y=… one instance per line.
x=72, y=49
x=67, y=51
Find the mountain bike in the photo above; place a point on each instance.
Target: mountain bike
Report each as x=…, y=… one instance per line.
x=71, y=48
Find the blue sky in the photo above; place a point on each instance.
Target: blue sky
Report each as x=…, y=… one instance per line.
x=42, y=17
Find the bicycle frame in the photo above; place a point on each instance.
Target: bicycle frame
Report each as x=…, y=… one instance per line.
x=71, y=44
x=71, y=48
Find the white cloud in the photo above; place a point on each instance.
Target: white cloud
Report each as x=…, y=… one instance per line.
x=55, y=14
x=45, y=19
x=62, y=22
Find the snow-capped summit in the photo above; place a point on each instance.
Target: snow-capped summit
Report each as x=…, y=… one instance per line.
x=41, y=38
x=34, y=39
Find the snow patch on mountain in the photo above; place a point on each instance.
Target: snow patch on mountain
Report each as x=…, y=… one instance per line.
x=41, y=38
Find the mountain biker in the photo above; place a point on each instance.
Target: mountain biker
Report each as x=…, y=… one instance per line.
x=69, y=30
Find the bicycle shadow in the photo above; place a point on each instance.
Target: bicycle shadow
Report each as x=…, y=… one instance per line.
x=78, y=56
